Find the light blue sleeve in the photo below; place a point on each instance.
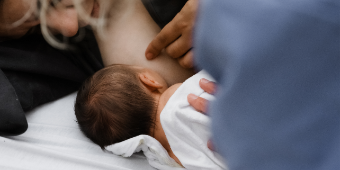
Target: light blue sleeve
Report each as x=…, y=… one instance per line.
x=277, y=64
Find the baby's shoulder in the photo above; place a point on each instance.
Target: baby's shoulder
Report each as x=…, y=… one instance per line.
x=173, y=88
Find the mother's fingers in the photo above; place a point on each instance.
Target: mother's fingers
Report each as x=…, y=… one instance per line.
x=199, y=103
x=207, y=86
x=180, y=46
x=181, y=26
x=187, y=60
x=167, y=35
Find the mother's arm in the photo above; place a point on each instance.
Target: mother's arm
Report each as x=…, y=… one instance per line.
x=130, y=31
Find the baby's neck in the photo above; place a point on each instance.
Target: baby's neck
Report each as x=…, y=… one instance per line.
x=158, y=131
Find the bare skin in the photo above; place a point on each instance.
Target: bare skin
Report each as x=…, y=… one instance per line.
x=130, y=31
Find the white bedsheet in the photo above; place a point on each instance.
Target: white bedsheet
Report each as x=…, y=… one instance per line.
x=53, y=141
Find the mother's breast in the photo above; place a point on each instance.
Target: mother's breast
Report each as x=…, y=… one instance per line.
x=130, y=30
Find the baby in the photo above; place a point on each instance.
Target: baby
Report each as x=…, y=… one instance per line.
x=120, y=102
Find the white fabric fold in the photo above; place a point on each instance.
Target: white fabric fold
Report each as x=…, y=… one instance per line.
x=187, y=130
x=155, y=153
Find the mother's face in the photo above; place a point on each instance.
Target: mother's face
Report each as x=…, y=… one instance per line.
x=59, y=20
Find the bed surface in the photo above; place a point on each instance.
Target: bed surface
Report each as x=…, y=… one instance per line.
x=54, y=141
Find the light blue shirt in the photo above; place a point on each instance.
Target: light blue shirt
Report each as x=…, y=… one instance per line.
x=277, y=65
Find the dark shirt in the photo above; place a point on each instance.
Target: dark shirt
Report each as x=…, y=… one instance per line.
x=33, y=73
x=163, y=11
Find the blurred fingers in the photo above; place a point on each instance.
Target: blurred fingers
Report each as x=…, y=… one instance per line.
x=180, y=46
x=207, y=86
x=187, y=61
x=167, y=35
x=199, y=103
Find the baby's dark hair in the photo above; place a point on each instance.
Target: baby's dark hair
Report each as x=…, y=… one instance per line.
x=112, y=106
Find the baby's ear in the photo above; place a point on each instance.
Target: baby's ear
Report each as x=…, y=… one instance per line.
x=149, y=81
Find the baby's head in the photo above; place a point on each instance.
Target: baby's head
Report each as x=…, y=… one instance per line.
x=118, y=103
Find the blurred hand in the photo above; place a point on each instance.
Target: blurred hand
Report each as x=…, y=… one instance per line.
x=176, y=37
x=199, y=103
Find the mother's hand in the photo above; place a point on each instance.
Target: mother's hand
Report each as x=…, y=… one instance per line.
x=176, y=37
x=200, y=104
